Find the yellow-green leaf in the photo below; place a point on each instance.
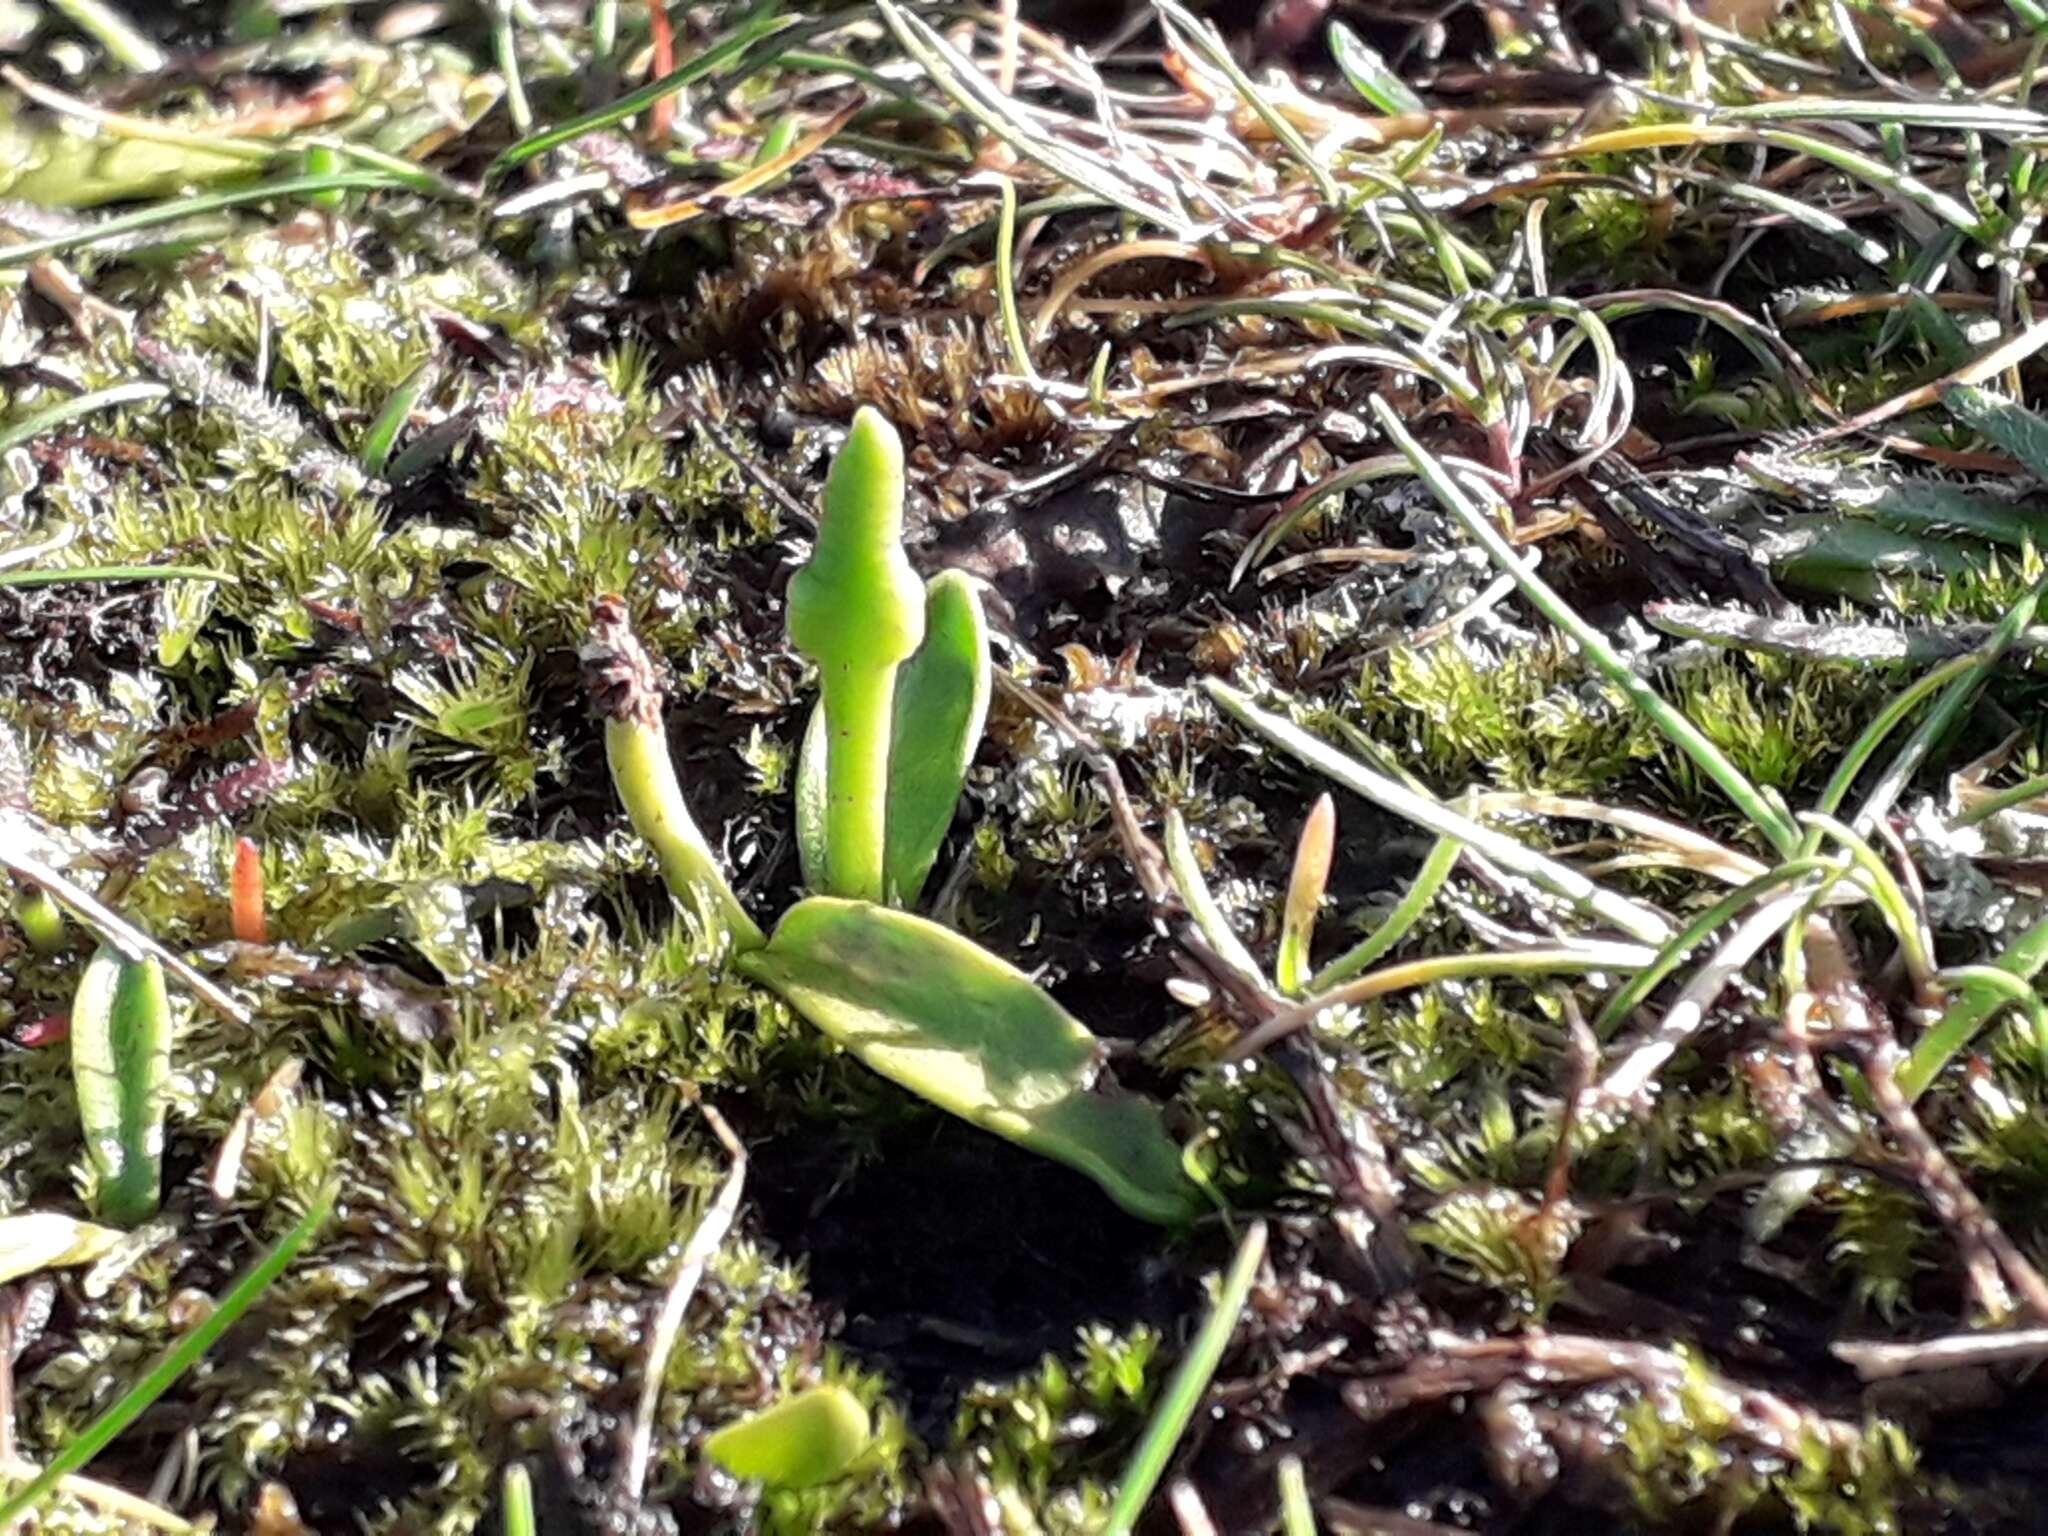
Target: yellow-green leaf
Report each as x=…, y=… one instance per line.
x=37, y=1240
x=969, y=1032
x=802, y=1441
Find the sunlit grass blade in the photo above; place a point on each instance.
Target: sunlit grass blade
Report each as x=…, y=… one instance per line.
x=177, y=209
x=1975, y=1003
x=1768, y=818
x=76, y=406
x=1370, y=75
x=516, y=1499
x=1701, y=928
x=391, y=420
x=757, y=23
x=169, y=1366
x=1297, y=1515
x=1561, y=880
x=1201, y=37
x=64, y=575
x=1200, y=901
x=1436, y=869
x=1183, y=1395
x=1949, y=708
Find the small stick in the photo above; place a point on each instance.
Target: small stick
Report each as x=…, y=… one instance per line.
x=661, y=1341
x=1988, y=1253
x=1961, y=1351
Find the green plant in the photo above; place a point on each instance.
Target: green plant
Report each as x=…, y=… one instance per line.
x=921, y=1005
x=121, y=1067
x=806, y=1439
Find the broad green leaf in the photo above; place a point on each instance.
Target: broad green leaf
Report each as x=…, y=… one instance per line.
x=1369, y=74
x=47, y=1240
x=2019, y=431
x=941, y=704
x=967, y=1031
x=121, y=1068
x=802, y=1441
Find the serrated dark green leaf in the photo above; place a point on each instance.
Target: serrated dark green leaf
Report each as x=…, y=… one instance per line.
x=2019, y=431
x=969, y=1032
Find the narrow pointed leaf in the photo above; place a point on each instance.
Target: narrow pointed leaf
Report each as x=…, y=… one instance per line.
x=941, y=704
x=383, y=434
x=969, y=1032
x=1305, y=894
x=802, y=1441
x=1369, y=74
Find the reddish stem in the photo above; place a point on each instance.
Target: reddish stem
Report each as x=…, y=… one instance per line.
x=662, y=115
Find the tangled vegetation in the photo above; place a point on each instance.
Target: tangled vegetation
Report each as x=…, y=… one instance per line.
x=1512, y=767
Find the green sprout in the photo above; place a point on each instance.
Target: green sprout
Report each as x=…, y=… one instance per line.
x=798, y=1443
x=621, y=677
x=858, y=611
x=121, y=1062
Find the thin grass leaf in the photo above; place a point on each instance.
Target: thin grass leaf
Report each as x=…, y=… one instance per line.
x=1768, y=818
x=1955, y=699
x=1184, y=1393
x=516, y=1500
x=1195, y=895
x=958, y=78
x=157, y=214
x=391, y=420
x=1006, y=280
x=172, y=1364
x=755, y=25
x=1201, y=37
x=1436, y=869
x=1539, y=869
x=1297, y=1515
x=125, y=45
x=1703, y=927
x=1967, y=1013
x=1370, y=75
x=63, y=575
x=76, y=406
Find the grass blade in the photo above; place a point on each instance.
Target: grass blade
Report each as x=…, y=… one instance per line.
x=1768, y=818
x=1539, y=869
x=757, y=24
x=1184, y=1393
x=173, y=1363
x=77, y=406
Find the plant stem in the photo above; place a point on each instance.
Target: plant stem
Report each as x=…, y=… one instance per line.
x=857, y=777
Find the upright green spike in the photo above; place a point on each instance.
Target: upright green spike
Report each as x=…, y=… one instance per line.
x=857, y=611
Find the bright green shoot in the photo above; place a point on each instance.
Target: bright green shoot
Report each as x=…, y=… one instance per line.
x=121, y=1066
x=903, y=670
x=857, y=610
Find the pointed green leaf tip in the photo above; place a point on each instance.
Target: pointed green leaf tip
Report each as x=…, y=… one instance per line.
x=858, y=603
x=802, y=1441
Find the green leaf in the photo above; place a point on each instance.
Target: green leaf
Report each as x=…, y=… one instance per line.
x=121, y=1067
x=941, y=704
x=1369, y=74
x=967, y=1031
x=802, y=1441
x=383, y=433
x=2019, y=431
x=37, y=1240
